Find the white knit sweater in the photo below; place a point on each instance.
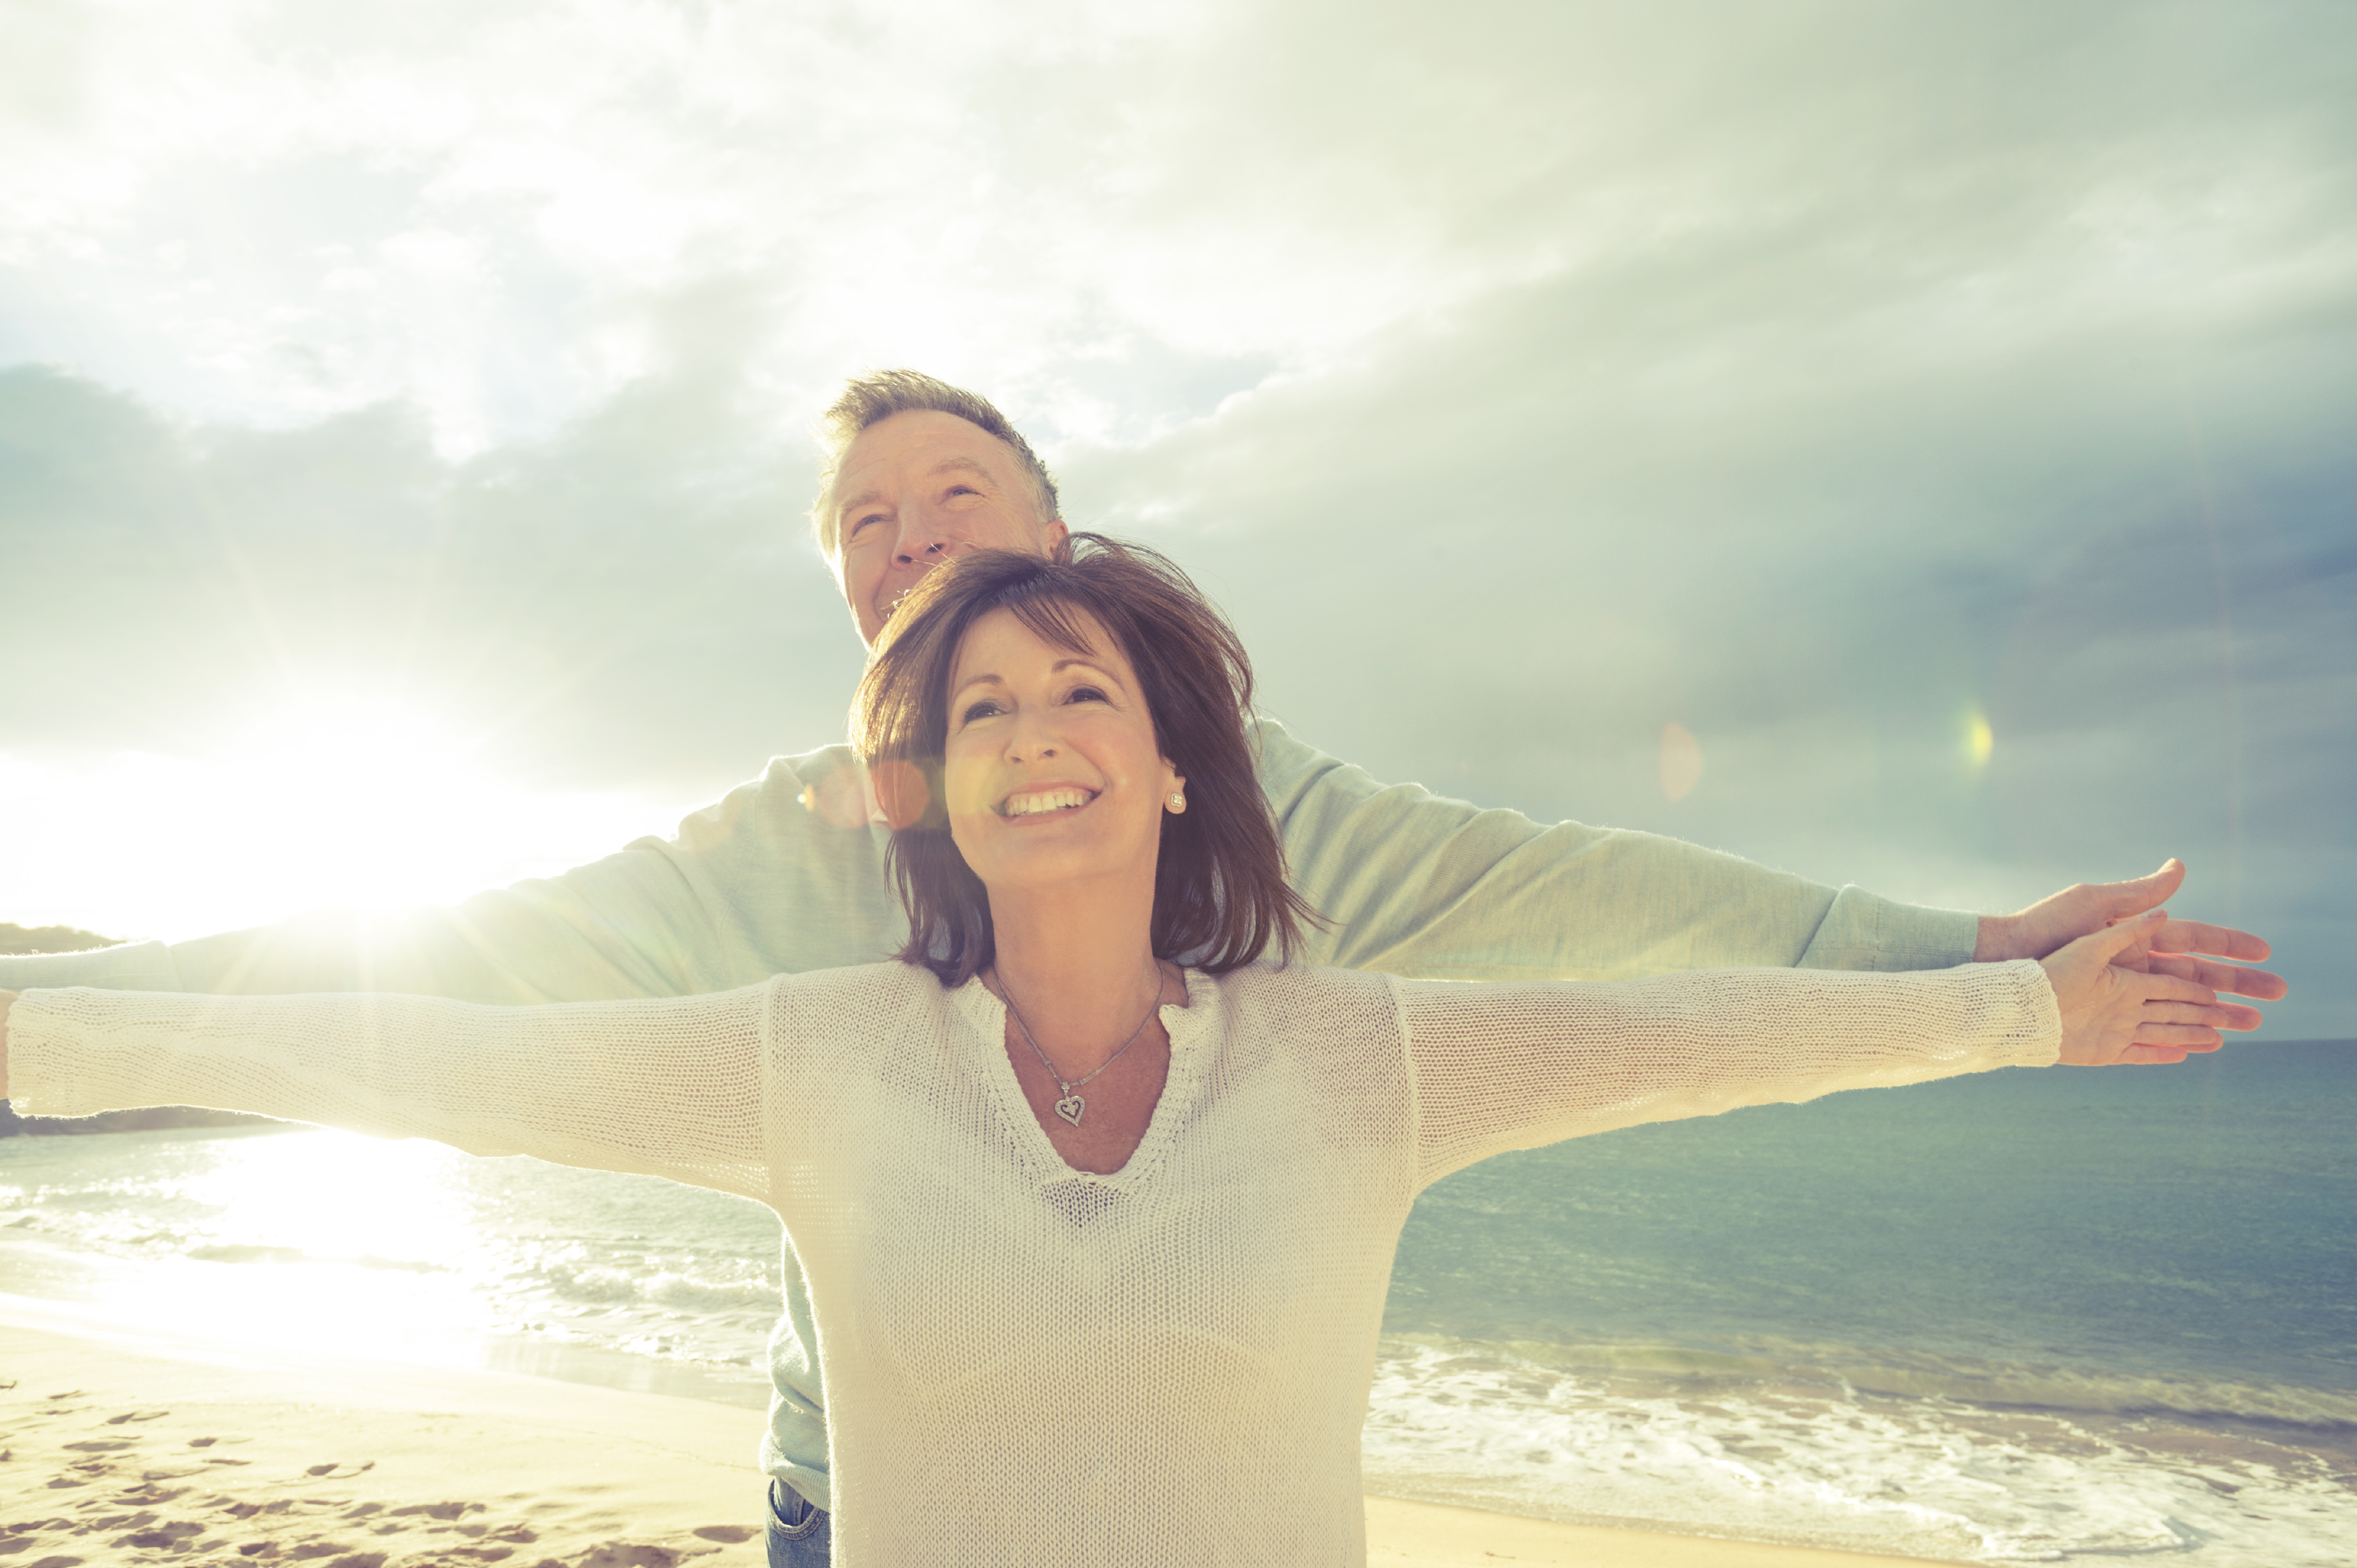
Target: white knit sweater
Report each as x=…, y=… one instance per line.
x=1032, y=1365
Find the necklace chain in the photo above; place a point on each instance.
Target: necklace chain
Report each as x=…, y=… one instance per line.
x=1072, y=1106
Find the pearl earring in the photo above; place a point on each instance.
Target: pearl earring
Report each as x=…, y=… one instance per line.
x=1178, y=800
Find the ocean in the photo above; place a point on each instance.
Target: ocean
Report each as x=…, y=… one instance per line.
x=2025, y=1316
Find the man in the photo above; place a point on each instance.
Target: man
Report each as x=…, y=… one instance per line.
x=786, y=873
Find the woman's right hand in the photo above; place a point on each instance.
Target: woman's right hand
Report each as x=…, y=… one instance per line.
x=2113, y=1013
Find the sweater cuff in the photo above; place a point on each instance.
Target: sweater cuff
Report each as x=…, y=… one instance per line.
x=1862, y=930
x=39, y=1040
x=134, y=966
x=2040, y=1043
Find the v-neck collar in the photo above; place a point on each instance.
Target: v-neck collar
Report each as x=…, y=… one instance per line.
x=1186, y=1026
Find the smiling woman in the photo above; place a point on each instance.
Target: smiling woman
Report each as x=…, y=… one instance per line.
x=1004, y=681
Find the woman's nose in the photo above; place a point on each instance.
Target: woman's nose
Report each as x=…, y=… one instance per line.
x=1033, y=739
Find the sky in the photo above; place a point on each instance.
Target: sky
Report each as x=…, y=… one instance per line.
x=1909, y=444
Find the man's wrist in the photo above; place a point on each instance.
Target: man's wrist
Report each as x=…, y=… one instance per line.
x=1995, y=943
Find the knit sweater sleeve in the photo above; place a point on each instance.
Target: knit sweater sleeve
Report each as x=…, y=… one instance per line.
x=1414, y=884
x=671, y=1086
x=1511, y=1066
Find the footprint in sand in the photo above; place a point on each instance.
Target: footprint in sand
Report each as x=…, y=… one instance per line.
x=633, y=1554
x=444, y=1512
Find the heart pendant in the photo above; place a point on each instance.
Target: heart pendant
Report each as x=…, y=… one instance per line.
x=1070, y=1107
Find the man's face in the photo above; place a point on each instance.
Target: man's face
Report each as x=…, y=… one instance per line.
x=917, y=489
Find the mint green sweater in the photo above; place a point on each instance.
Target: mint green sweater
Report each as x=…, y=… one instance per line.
x=760, y=884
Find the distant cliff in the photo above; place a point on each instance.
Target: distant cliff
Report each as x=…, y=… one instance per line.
x=50, y=939
x=67, y=938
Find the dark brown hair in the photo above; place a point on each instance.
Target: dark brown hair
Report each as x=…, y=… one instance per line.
x=1220, y=894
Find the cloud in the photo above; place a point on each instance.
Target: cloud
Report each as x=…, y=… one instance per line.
x=635, y=597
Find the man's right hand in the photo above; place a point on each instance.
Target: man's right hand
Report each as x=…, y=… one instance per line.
x=2189, y=949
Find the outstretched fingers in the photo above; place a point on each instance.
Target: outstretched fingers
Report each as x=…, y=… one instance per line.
x=2177, y=1013
x=2234, y=1016
x=2217, y=941
x=2227, y=977
x=2168, y=984
x=2178, y=1037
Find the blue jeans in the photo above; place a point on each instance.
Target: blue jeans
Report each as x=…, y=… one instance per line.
x=798, y=1535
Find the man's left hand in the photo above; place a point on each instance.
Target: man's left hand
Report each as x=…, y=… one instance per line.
x=2189, y=949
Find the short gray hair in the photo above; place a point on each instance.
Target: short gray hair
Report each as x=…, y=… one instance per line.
x=878, y=395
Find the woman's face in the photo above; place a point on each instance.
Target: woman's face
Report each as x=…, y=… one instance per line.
x=1050, y=766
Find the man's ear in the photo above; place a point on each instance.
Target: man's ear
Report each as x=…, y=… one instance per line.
x=1052, y=535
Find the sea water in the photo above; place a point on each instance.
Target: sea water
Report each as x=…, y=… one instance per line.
x=2021, y=1317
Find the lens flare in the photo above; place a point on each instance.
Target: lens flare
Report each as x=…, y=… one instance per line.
x=1979, y=739
x=1680, y=761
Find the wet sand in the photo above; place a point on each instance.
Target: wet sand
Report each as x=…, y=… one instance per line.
x=121, y=1446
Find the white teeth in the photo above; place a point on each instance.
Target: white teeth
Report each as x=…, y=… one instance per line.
x=1045, y=801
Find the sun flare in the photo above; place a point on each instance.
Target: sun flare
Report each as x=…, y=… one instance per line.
x=332, y=798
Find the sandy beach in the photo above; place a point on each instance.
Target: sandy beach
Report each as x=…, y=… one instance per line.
x=130, y=1445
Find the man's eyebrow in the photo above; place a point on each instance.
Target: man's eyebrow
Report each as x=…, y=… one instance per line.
x=946, y=466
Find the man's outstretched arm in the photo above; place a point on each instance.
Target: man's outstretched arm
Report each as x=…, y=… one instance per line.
x=753, y=886
x=1432, y=888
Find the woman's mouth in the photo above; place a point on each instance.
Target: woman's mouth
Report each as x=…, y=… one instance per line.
x=1041, y=802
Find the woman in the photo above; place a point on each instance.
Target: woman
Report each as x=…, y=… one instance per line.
x=1098, y=1210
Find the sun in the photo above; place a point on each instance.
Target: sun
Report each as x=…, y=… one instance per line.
x=333, y=797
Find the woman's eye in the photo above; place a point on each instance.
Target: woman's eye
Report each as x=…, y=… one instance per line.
x=981, y=710
x=1087, y=694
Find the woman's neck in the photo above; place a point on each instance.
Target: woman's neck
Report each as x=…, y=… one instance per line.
x=1079, y=965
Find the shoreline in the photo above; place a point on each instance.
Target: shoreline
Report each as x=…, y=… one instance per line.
x=155, y=1444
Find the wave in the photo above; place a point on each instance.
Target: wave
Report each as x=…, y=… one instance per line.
x=610, y=1285
x=1724, y=1444
x=1847, y=1369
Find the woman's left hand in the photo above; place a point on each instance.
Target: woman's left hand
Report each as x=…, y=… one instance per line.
x=2113, y=1013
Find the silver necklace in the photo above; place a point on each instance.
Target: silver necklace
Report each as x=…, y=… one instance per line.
x=1072, y=1107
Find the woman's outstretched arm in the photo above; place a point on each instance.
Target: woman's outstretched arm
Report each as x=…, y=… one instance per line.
x=1510, y=1067
x=671, y=1086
